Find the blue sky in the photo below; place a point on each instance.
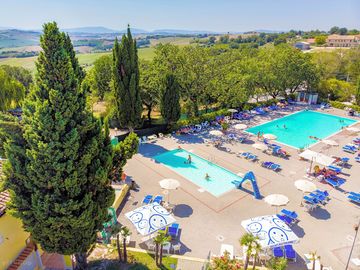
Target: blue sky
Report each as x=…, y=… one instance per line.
x=215, y=15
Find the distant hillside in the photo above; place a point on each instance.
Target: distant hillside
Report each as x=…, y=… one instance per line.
x=90, y=30
x=180, y=32
x=16, y=38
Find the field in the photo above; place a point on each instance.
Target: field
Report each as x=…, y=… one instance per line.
x=85, y=59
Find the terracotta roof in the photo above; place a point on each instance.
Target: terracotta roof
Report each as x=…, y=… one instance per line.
x=347, y=37
x=4, y=199
x=22, y=257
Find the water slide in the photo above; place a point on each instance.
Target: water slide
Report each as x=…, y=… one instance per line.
x=249, y=176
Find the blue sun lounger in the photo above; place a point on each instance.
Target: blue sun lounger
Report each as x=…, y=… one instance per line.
x=319, y=197
x=289, y=221
x=290, y=253
x=290, y=214
x=244, y=154
x=310, y=200
x=271, y=165
x=334, y=168
x=147, y=199
x=158, y=199
x=335, y=183
x=354, y=194
x=323, y=193
x=354, y=198
x=357, y=159
x=252, y=157
x=350, y=149
x=278, y=252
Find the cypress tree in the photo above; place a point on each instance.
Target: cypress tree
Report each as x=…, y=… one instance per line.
x=170, y=100
x=59, y=174
x=357, y=92
x=126, y=82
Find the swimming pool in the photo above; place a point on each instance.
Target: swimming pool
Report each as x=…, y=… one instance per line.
x=294, y=130
x=220, y=180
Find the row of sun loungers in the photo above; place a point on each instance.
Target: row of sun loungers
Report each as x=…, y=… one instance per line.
x=248, y=156
x=288, y=252
x=271, y=165
x=315, y=198
x=149, y=199
x=350, y=148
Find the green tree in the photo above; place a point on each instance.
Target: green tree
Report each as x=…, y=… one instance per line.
x=12, y=92
x=357, y=93
x=334, y=30
x=102, y=76
x=126, y=82
x=20, y=74
x=122, y=152
x=320, y=40
x=249, y=241
x=160, y=240
x=116, y=230
x=343, y=31
x=125, y=232
x=337, y=89
x=170, y=101
x=10, y=130
x=59, y=174
x=150, y=86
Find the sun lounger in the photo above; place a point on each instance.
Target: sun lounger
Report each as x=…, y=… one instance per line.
x=357, y=159
x=290, y=214
x=318, y=197
x=323, y=193
x=244, y=154
x=349, y=149
x=271, y=165
x=158, y=199
x=147, y=199
x=334, y=168
x=354, y=198
x=278, y=252
x=252, y=157
x=286, y=219
x=290, y=253
x=335, y=183
x=354, y=194
x=310, y=200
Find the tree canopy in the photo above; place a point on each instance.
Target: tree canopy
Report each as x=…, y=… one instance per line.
x=59, y=174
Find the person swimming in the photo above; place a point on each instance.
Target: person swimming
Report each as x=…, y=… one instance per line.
x=189, y=159
x=207, y=177
x=284, y=126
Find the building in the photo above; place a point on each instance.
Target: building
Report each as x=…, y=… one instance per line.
x=301, y=45
x=311, y=41
x=343, y=41
x=18, y=251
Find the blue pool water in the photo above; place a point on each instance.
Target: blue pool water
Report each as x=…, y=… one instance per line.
x=220, y=180
x=301, y=125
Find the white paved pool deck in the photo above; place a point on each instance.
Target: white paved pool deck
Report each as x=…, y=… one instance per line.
x=206, y=221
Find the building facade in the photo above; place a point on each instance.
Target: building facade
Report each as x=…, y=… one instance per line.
x=349, y=41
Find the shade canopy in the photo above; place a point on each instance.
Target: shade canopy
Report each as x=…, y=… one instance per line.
x=354, y=129
x=260, y=146
x=150, y=218
x=240, y=126
x=276, y=199
x=169, y=184
x=330, y=142
x=216, y=133
x=305, y=185
x=317, y=157
x=271, y=231
x=270, y=136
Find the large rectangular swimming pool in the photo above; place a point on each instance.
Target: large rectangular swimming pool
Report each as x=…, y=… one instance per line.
x=295, y=129
x=220, y=180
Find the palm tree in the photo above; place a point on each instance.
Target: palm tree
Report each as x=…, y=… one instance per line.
x=248, y=240
x=255, y=250
x=313, y=258
x=125, y=232
x=159, y=241
x=115, y=230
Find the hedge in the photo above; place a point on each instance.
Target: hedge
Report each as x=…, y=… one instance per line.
x=340, y=105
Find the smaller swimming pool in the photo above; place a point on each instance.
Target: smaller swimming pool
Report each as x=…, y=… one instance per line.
x=220, y=179
x=295, y=129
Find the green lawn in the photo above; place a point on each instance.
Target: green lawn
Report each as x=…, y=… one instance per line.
x=137, y=261
x=86, y=59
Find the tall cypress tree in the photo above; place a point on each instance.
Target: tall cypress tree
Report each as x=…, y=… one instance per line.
x=59, y=173
x=126, y=82
x=170, y=100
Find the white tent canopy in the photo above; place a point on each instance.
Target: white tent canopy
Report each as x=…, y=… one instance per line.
x=150, y=218
x=317, y=157
x=271, y=231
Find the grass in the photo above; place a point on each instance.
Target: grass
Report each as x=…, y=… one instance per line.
x=85, y=59
x=137, y=261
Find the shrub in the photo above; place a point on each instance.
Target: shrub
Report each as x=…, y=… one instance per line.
x=340, y=105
